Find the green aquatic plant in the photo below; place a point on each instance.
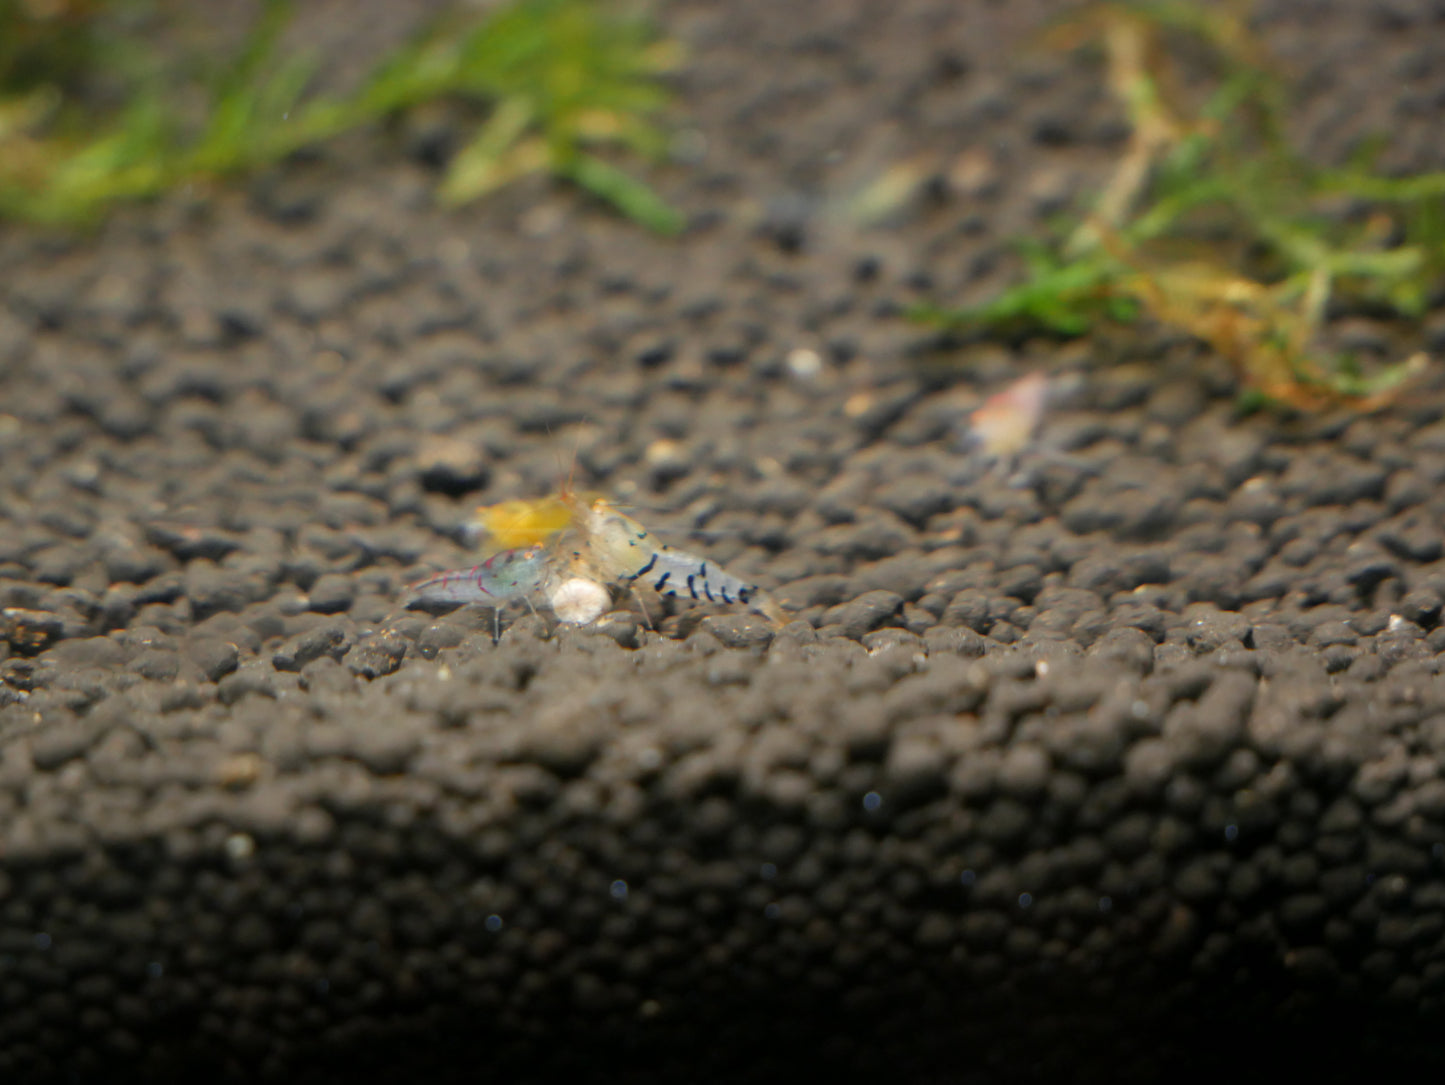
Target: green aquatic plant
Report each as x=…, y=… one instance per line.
x=1213, y=224
x=563, y=76
x=558, y=80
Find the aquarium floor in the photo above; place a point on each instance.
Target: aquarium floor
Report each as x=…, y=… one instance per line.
x=1103, y=764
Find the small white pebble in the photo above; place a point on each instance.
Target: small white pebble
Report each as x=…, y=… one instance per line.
x=578, y=601
x=663, y=453
x=240, y=846
x=804, y=364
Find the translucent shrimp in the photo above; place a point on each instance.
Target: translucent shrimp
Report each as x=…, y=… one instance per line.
x=1005, y=434
x=593, y=545
x=614, y=548
x=503, y=578
x=1008, y=421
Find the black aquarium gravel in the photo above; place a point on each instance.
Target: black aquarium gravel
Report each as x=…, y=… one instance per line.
x=1124, y=764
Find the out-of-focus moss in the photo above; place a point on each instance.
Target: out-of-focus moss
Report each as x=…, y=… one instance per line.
x=1213, y=224
x=558, y=80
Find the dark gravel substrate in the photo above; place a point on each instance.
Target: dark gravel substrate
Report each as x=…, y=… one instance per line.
x=1097, y=771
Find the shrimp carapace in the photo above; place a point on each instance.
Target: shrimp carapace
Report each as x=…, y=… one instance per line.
x=512, y=525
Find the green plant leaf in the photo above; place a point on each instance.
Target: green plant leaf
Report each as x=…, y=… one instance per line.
x=484, y=165
x=630, y=196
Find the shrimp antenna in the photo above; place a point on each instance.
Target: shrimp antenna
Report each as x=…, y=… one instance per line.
x=566, y=490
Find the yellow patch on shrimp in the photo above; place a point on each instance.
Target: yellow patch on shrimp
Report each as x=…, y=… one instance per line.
x=512, y=525
x=601, y=541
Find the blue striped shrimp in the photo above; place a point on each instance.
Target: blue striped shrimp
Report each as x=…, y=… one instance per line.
x=614, y=548
x=503, y=578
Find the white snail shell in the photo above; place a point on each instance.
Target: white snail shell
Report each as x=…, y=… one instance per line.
x=578, y=601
